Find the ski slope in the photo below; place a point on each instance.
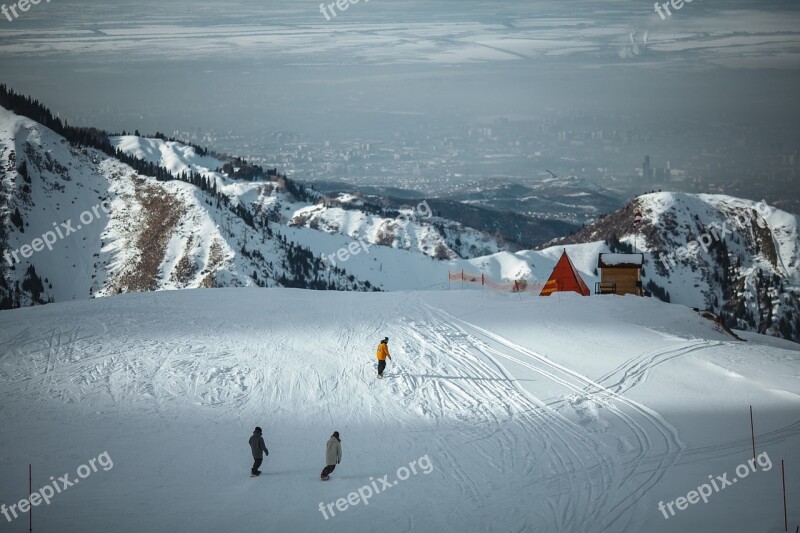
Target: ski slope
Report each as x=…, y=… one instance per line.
x=561, y=414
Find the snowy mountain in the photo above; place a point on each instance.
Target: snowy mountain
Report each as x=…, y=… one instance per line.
x=738, y=258
x=212, y=229
x=496, y=414
x=209, y=229
x=99, y=215
x=224, y=223
x=151, y=234
x=410, y=226
x=498, y=211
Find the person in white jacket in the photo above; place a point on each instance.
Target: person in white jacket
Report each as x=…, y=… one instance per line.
x=333, y=455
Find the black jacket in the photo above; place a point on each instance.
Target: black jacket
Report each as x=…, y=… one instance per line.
x=257, y=445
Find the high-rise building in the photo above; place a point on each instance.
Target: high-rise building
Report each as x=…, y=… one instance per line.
x=647, y=172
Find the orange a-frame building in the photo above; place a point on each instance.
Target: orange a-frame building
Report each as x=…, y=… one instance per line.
x=565, y=278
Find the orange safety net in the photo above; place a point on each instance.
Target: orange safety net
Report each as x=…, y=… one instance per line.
x=521, y=285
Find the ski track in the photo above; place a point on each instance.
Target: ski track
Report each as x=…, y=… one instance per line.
x=635, y=371
x=522, y=418
x=456, y=381
x=616, y=515
x=495, y=418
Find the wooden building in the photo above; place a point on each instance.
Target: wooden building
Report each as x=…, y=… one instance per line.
x=620, y=274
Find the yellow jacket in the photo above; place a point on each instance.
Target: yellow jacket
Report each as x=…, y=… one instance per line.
x=383, y=352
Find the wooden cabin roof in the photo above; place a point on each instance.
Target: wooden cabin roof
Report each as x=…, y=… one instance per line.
x=620, y=260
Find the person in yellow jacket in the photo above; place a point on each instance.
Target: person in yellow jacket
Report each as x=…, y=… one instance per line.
x=382, y=355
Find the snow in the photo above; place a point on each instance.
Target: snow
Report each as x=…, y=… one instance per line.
x=621, y=259
x=537, y=414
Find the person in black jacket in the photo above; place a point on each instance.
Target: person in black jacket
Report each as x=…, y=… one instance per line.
x=257, y=446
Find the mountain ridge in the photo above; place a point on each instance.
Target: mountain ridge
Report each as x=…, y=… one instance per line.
x=181, y=218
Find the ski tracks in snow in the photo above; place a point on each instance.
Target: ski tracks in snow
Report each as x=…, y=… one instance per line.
x=579, y=461
x=501, y=425
x=614, y=467
x=634, y=371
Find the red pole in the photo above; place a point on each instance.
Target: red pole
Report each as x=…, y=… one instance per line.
x=785, y=520
x=30, y=493
x=752, y=432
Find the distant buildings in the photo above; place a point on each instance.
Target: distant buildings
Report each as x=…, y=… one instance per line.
x=655, y=174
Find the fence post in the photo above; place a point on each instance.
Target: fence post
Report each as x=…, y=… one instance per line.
x=785, y=518
x=752, y=432
x=30, y=493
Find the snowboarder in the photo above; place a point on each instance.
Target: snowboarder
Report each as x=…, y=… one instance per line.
x=333, y=455
x=382, y=354
x=258, y=447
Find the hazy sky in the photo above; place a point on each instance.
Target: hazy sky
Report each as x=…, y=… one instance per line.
x=253, y=66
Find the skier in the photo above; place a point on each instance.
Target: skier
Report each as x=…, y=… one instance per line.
x=382, y=354
x=333, y=455
x=257, y=446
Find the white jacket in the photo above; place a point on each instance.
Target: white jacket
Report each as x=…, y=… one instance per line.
x=333, y=452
